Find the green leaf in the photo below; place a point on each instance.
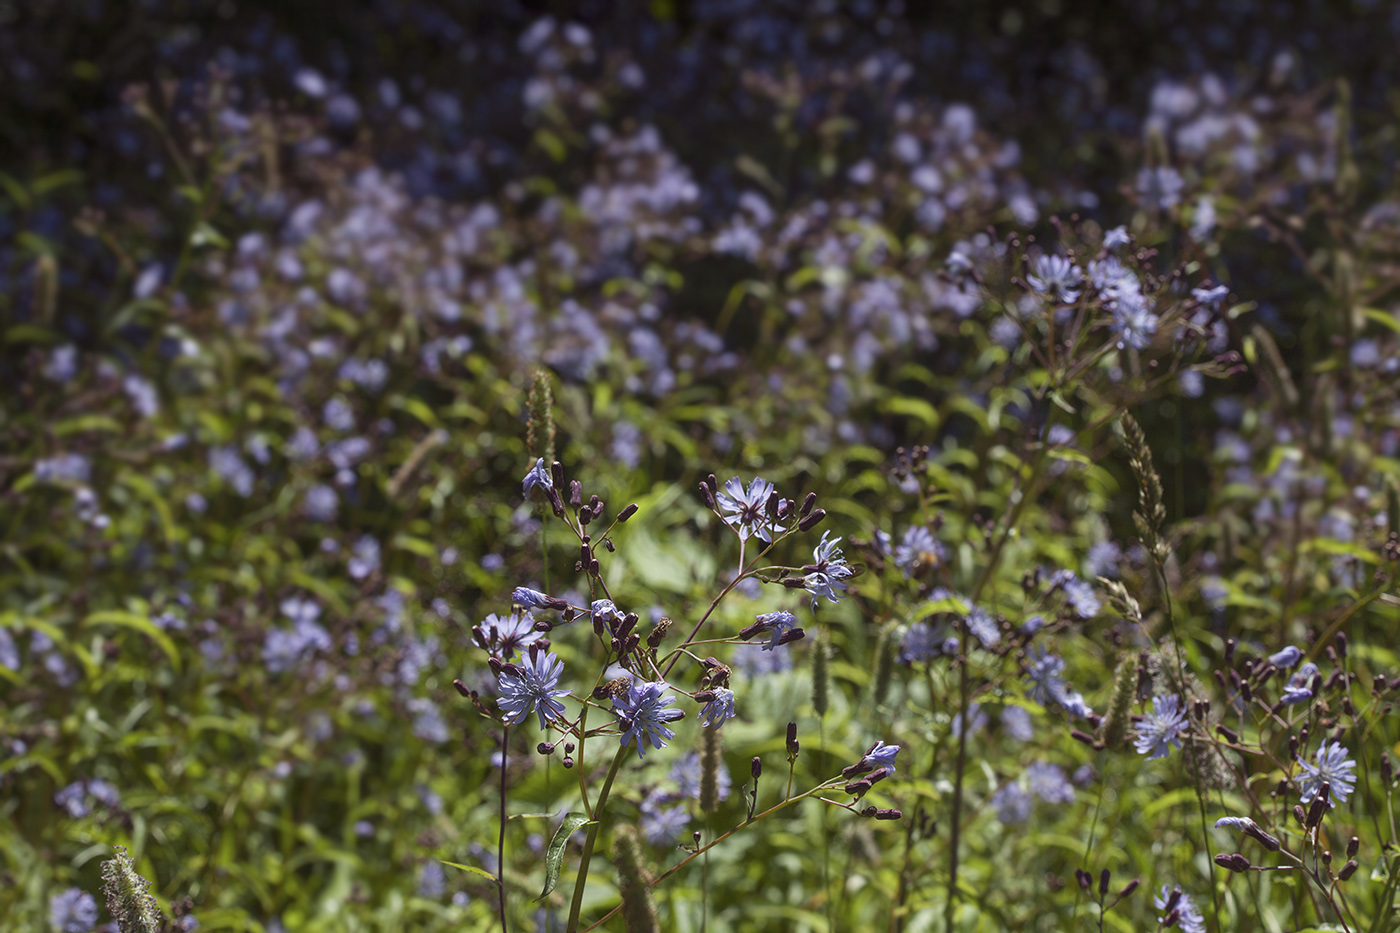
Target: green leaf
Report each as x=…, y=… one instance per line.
x=555, y=855
x=473, y=869
x=140, y=624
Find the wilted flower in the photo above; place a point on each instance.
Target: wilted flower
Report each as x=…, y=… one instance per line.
x=716, y=711
x=539, y=476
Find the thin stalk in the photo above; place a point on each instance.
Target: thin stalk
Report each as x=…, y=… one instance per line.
x=582, y=880
x=501, y=839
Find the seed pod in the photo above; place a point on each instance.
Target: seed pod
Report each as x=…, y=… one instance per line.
x=634, y=884
x=658, y=633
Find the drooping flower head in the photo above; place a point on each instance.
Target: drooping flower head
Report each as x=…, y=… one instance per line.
x=881, y=756
x=532, y=687
x=539, y=476
x=716, y=711
x=1157, y=733
x=748, y=507
x=1288, y=657
x=777, y=623
x=1299, y=689
x=1180, y=911
x=1334, y=767
x=534, y=599
x=642, y=715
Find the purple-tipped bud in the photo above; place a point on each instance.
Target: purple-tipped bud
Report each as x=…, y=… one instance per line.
x=807, y=504
x=1129, y=888
x=704, y=696
x=585, y=515
x=771, y=506
x=708, y=494
x=1229, y=651
x=462, y=689
x=496, y=665
x=1233, y=861
x=878, y=775
x=868, y=812
x=1084, y=879
x=811, y=521
x=791, y=636
x=594, y=566
x=556, y=469
x=567, y=762
x=544, y=625
x=1319, y=805
x=627, y=513
x=1353, y=844
x=888, y=813
x=860, y=767
x=859, y=788
x=1299, y=813
x=555, y=503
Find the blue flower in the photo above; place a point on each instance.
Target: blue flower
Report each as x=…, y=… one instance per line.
x=1133, y=321
x=1012, y=803
x=686, y=773
x=1044, y=670
x=1082, y=599
x=73, y=911
x=1182, y=912
x=642, y=714
x=1048, y=782
x=534, y=599
x=1286, y=658
x=505, y=636
x=919, y=550
x=1016, y=722
x=827, y=572
x=1057, y=277
x=539, y=476
x=779, y=623
x=663, y=826
x=1211, y=297
x=531, y=687
x=749, y=506
x=1299, y=686
x=881, y=756
x=981, y=624
x=1118, y=236
x=1159, y=728
x=1334, y=767
x=715, y=712
x=606, y=611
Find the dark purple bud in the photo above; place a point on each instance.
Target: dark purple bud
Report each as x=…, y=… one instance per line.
x=544, y=625
x=575, y=493
x=496, y=665
x=1229, y=651
x=708, y=495
x=585, y=515
x=749, y=631
x=555, y=502
x=1230, y=734
x=860, y=767
x=1299, y=813
x=1129, y=888
x=556, y=470
x=784, y=509
x=714, y=483
x=568, y=762
x=791, y=636
x=811, y=521
x=1340, y=640
x=704, y=696
x=771, y=506
x=594, y=566
x=627, y=513
x=868, y=812
x=1084, y=879
x=545, y=748
x=1348, y=870
x=756, y=767
x=1103, y=882
x=792, y=738
x=1233, y=861
x=632, y=642
x=807, y=504
x=888, y=814
x=462, y=689
x=1353, y=844
x=878, y=775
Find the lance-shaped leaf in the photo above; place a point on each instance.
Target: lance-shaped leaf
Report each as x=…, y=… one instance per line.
x=555, y=855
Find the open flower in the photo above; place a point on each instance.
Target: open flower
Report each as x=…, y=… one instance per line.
x=642, y=715
x=539, y=476
x=1157, y=733
x=827, y=572
x=1334, y=767
x=531, y=687
x=749, y=507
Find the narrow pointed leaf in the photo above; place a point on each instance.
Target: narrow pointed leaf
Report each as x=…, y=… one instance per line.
x=555, y=856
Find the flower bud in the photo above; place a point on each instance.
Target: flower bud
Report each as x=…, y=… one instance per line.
x=575, y=493
x=545, y=748
x=1129, y=888
x=1233, y=861
x=1084, y=879
x=462, y=689
x=627, y=513
x=792, y=738
x=807, y=504
x=791, y=635
x=756, y=767
x=888, y=814
x=1299, y=813
x=556, y=470
x=1353, y=844
x=567, y=762
x=859, y=788
x=811, y=521
x=1103, y=882
x=585, y=515
x=1348, y=870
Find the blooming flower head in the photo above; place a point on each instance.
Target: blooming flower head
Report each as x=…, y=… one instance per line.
x=73, y=911
x=661, y=825
x=1056, y=277
x=1048, y=782
x=1287, y=657
x=919, y=550
x=1181, y=912
x=1334, y=767
x=686, y=773
x=532, y=687
x=716, y=711
x=605, y=611
x=778, y=623
x=1043, y=669
x=1298, y=689
x=1133, y=321
x=749, y=507
x=981, y=624
x=1012, y=803
x=1159, y=728
x=828, y=571
x=1118, y=236
x=539, y=476
x=503, y=636
x=642, y=715
x=881, y=756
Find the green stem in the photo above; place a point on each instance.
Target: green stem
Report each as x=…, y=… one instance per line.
x=582, y=880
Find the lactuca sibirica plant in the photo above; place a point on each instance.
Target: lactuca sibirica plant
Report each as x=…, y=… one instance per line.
x=628, y=684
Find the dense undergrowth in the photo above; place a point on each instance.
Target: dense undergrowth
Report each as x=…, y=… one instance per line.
x=1006, y=386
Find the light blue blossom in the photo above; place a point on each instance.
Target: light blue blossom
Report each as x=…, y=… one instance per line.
x=1178, y=905
x=1056, y=277
x=539, y=476
x=1334, y=767
x=716, y=711
x=663, y=826
x=1160, y=727
x=778, y=623
x=642, y=715
x=1288, y=657
x=1133, y=321
x=881, y=756
x=503, y=636
x=1299, y=686
x=1043, y=669
x=1016, y=722
x=1118, y=236
x=1048, y=782
x=686, y=773
x=533, y=599
x=532, y=687
x=828, y=571
x=981, y=624
x=748, y=507
x=73, y=911
x=919, y=550
x=1012, y=803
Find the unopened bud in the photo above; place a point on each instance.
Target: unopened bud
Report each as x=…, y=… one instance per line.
x=1348, y=870
x=575, y=493
x=1353, y=844
x=556, y=470
x=1299, y=813
x=1129, y=888
x=859, y=788
x=1084, y=878
x=791, y=635
x=627, y=512
x=888, y=813
x=545, y=748
x=1229, y=734
x=1229, y=651
x=1233, y=861
x=807, y=504
x=567, y=762
x=792, y=738
x=585, y=515
x=462, y=689
x=756, y=767
x=1103, y=882
x=811, y=521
